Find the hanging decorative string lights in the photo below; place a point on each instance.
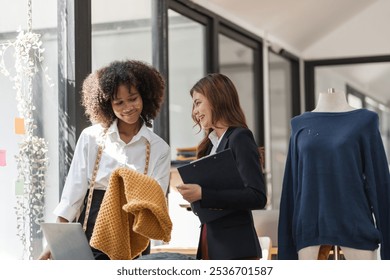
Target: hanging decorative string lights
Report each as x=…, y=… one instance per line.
x=32, y=160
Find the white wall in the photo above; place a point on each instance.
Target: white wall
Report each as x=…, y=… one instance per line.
x=357, y=37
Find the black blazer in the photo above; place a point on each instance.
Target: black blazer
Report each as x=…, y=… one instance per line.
x=234, y=236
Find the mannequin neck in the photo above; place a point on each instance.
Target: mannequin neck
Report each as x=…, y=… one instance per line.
x=332, y=102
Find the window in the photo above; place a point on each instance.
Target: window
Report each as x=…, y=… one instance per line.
x=121, y=32
x=236, y=62
x=186, y=67
x=280, y=116
x=45, y=99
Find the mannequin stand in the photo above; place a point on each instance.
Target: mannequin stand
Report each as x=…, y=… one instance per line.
x=312, y=253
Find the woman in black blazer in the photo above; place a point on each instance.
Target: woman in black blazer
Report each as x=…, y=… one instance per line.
x=217, y=110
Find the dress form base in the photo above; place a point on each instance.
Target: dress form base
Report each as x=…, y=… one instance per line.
x=311, y=253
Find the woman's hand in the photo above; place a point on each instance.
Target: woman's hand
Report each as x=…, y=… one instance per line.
x=190, y=192
x=45, y=255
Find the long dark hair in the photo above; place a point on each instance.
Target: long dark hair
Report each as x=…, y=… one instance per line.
x=225, y=104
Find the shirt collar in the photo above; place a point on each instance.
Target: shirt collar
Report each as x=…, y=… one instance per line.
x=143, y=132
x=214, y=138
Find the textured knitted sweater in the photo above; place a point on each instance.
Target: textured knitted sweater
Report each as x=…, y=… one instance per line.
x=134, y=210
x=336, y=186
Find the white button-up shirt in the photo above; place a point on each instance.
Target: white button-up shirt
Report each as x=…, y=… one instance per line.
x=116, y=154
x=215, y=141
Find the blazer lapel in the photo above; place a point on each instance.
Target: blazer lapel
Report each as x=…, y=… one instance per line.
x=225, y=140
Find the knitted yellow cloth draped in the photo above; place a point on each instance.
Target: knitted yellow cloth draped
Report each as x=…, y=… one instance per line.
x=133, y=210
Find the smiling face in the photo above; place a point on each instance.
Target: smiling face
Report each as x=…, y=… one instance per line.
x=127, y=106
x=202, y=110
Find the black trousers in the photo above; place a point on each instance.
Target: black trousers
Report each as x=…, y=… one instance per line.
x=97, y=199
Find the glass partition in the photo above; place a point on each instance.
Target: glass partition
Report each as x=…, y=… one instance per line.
x=121, y=32
x=186, y=66
x=236, y=62
x=45, y=117
x=280, y=116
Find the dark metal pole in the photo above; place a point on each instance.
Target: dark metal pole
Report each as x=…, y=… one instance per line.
x=74, y=64
x=160, y=61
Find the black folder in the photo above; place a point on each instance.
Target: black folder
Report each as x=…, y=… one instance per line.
x=217, y=171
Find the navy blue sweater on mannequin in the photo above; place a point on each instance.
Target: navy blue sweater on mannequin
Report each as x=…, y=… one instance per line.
x=336, y=186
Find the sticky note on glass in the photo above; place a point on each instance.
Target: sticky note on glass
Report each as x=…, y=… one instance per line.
x=19, y=126
x=19, y=185
x=2, y=158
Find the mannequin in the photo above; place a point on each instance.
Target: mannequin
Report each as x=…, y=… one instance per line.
x=332, y=101
x=336, y=186
x=335, y=101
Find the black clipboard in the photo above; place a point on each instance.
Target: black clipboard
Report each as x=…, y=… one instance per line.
x=217, y=171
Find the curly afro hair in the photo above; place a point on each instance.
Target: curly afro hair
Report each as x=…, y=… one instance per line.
x=100, y=87
x=94, y=101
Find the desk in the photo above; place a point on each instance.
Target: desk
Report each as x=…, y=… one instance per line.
x=174, y=249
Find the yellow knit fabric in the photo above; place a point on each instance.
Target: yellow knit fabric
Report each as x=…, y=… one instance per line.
x=134, y=210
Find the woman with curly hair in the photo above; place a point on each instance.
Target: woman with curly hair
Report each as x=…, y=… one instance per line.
x=121, y=100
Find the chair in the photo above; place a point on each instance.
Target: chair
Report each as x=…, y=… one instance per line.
x=266, y=224
x=266, y=247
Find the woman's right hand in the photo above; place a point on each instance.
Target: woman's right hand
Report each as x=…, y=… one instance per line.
x=190, y=192
x=45, y=255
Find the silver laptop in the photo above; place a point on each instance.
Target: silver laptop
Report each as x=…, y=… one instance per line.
x=67, y=241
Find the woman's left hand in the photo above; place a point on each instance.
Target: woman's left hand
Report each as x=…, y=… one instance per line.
x=190, y=192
